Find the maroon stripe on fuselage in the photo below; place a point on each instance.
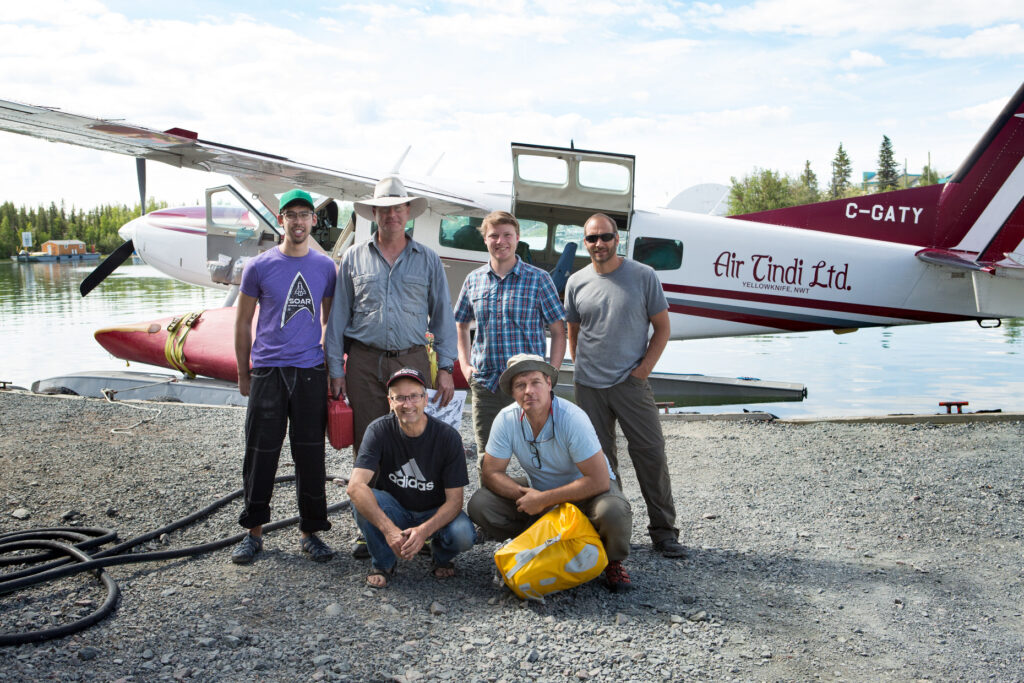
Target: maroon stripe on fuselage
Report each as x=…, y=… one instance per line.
x=747, y=319
x=817, y=304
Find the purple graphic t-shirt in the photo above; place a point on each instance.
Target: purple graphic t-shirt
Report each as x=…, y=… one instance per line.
x=289, y=290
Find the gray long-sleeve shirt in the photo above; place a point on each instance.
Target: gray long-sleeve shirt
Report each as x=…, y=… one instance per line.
x=390, y=307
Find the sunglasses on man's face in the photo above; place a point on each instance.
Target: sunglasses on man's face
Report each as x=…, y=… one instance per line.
x=604, y=237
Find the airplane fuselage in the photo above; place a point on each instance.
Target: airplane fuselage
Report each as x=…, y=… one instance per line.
x=721, y=276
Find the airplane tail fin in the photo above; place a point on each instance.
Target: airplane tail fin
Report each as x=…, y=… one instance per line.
x=978, y=212
x=980, y=208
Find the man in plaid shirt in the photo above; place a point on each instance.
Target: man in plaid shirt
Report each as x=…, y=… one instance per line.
x=511, y=302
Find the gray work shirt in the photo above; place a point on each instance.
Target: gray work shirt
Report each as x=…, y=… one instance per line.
x=390, y=307
x=614, y=312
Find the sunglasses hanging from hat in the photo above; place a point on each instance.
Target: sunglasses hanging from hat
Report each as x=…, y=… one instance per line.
x=532, y=444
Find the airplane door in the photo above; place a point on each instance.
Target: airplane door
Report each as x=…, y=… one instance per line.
x=555, y=190
x=235, y=232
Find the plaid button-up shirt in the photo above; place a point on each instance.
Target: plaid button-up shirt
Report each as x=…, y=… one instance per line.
x=511, y=314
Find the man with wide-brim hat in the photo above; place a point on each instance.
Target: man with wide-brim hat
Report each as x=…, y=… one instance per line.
x=556, y=446
x=389, y=192
x=391, y=291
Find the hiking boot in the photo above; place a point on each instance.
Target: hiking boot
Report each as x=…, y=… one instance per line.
x=617, y=578
x=670, y=547
x=359, y=550
x=316, y=549
x=245, y=551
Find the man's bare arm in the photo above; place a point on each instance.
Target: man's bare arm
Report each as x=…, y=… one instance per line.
x=656, y=346
x=245, y=309
x=557, y=330
x=595, y=480
x=574, y=333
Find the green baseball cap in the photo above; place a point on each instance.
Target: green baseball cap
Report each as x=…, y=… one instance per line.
x=292, y=196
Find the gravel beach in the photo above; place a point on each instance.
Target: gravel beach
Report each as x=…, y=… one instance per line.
x=816, y=552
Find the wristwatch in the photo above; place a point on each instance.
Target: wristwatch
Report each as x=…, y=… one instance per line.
x=448, y=368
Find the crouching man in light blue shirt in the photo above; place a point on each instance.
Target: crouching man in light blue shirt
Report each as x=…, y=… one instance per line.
x=555, y=444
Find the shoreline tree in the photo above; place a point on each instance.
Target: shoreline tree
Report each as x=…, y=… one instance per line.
x=805, y=191
x=97, y=227
x=888, y=171
x=839, y=186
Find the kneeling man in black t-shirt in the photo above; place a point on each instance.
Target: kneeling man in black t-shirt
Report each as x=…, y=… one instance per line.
x=406, y=484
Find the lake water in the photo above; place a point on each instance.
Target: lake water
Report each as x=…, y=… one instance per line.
x=46, y=329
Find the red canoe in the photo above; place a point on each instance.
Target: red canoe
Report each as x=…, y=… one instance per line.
x=197, y=343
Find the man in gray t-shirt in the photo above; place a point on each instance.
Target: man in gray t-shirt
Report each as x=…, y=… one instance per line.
x=610, y=306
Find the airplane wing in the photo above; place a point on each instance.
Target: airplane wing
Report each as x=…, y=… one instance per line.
x=261, y=173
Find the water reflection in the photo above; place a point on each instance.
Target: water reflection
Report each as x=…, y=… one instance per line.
x=46, y=326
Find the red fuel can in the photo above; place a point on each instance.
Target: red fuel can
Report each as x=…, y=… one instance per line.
x=339, y=423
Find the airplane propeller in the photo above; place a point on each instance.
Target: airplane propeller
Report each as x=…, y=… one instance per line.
x=123, y=252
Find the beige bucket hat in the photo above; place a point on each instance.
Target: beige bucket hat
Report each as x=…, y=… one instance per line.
x=390, y=192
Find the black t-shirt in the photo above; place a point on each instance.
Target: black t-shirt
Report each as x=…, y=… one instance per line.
x=415, y=470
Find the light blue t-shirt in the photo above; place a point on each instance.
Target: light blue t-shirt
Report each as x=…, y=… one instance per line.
x=567, y=438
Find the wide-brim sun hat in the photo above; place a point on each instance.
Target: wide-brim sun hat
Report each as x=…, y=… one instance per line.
x=390, y=192
x=525, y=362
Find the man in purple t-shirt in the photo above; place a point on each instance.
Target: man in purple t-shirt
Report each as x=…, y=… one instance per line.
x=287, y=385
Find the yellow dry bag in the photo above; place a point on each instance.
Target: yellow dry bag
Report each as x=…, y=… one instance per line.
x=560, y=550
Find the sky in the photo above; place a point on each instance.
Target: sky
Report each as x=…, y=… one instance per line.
x=699, y=92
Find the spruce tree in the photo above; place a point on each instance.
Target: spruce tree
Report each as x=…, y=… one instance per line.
x=888, y=172
x=805, y=189
x=928, y=176
x=841, y=170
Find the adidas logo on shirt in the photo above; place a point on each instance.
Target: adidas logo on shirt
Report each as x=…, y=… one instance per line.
x=410, y=477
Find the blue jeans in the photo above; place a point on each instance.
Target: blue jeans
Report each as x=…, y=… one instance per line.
x=455, y=537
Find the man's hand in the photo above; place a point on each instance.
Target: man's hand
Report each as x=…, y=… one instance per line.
x=243, y=384
x=337, y=387
x=467, y=372
x=445, y=388
x=395, y=538
x=641, y=372
x=413, y=540
x=531, y=502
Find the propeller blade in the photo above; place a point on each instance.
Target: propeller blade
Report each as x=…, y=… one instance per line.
x=100, y=273
x=140, y=170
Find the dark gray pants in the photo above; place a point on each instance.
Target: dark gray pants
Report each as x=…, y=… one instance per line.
x=486, y=406
x=292, y=399
x=631, y=403
x=609, y=512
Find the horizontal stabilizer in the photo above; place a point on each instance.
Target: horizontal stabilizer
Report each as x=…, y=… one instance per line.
x=952, y=259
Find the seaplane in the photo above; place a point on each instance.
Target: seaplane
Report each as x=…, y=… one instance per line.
x=931, y=254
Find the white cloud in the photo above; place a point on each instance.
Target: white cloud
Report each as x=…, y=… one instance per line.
x=859, y=60
x=350, y=89
x=983, y=113
x=1004, y=40
x=842, y=17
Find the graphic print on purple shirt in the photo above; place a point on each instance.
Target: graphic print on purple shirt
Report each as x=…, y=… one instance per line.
x=284, y=287
x=299, y=299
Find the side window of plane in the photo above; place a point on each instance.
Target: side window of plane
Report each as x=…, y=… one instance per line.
x=658, y=253
x=461, y=232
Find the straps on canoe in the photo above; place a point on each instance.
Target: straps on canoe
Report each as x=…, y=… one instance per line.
x=174, y=347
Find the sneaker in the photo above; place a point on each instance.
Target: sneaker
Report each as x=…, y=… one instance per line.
x=670, y=547
x=316, y=549
x=359, y=550
x=617, y=577
x=245, y=551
